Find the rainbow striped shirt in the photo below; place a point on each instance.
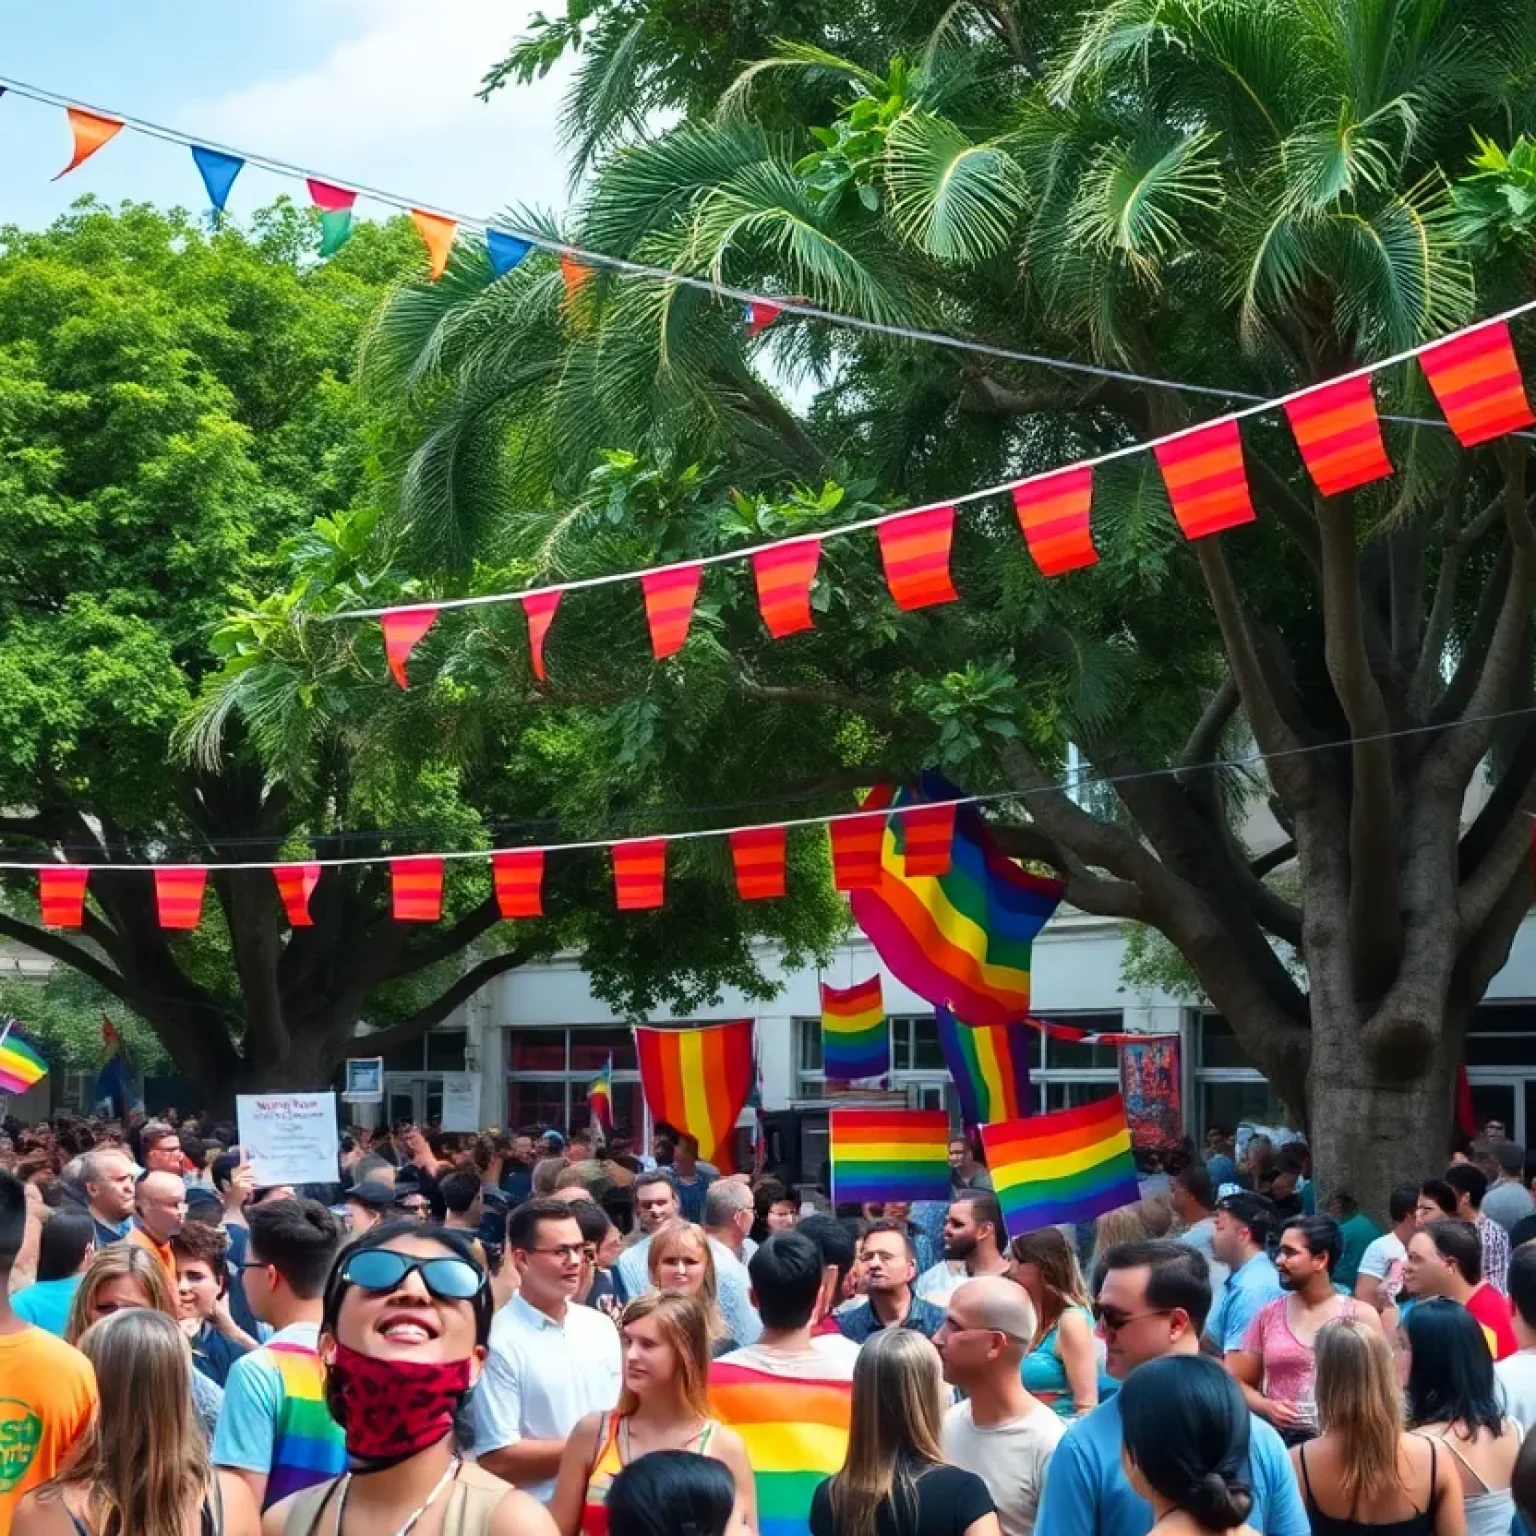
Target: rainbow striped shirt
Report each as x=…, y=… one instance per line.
x=792, y=1413
x=275, y=1419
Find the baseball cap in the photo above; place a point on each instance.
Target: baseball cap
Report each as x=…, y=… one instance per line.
x=1254, y=1211
x=372, y=1193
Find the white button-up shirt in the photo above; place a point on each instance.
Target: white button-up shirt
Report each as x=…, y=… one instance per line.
x=541, y=1377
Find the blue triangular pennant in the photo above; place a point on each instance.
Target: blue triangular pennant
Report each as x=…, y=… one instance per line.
x=505, y=251
x=219, y=171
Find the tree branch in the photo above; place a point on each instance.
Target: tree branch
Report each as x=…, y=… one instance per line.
x=56, y=947
x=407, y=1030
x=1267, y=863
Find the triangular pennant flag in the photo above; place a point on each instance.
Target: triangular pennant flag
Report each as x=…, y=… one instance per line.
x=335, y=205
x=1339, y=434
x=540, y=608
x=519, y=879
x=915, y=551
x=504, y=251
x=1053, y=515
x=296, y=884
x=1476, y=379
x=403, y=629
x=437, y=235
x=784, y=575
x=575, y=272
x=61, y=895
x=179, y=896
x=91, y=130
x=758, y=854
x=416, y=888
x=640, y=874
x=1206, y=481
x=856, y=845
x=669, y=598
x=760, y=315
x=927, y=836
x=218, y=171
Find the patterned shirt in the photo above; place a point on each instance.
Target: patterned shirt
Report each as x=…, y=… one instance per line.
x=1495, y=1242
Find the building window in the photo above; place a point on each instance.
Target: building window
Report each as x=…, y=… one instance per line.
x=439, y=1050
x=1228, y=1087
x=549, y=1071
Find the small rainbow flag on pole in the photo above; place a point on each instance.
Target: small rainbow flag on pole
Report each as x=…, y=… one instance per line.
x=1072, y=1165
x=600, y=1099
x=855, y=1033
x=989, y=1064
x=889, y=1154
x=20, y=1064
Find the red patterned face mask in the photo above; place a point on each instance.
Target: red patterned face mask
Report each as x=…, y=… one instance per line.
x=394, y=1408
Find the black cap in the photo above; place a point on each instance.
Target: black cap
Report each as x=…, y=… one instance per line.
x=373, y=1193
x=1254, y=1211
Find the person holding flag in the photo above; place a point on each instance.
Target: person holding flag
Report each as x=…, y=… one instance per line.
x=600, y=1101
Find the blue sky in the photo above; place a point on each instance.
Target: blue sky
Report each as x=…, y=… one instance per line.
x=373, y=91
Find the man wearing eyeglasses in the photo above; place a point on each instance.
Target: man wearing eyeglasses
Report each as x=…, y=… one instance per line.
x=1153, y=1302
x=552, y=1361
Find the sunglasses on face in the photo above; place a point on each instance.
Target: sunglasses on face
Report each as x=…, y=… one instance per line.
x=381, y=1270
x=1112, y=1319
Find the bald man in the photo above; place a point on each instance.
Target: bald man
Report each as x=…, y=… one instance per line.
x=999, y=1432
x=159, y=1208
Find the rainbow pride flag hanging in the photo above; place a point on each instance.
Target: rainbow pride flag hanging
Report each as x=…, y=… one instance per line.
x=1071, y=1165
x=989, y=1065
x=696, y=1078
x=855, y=1033
x=962, y=939
x=600, y=1098
x=889, y=1154
x=20, y=1063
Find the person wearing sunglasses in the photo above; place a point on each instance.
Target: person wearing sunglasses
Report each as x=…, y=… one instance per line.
x=1152, y=1303
x=403, y=1334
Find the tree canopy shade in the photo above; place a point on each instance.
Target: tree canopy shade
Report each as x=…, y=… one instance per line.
x=1247, y=194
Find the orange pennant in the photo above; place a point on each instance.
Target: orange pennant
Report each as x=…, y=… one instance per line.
x=61, y=895
x=669, y=597
x=758, y=854
x=640, y=874
x=540, y=609
x=856, y=845
x=403, y=628
x=296, y=884
x=91, y=131
x=575, y=273
x=915, y=551
x=179, y=896
x=417, y=889
x=519, y=877
x=437, y=235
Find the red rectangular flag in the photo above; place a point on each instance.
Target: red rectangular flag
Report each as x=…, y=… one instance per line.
x=1206, y=481
x=540, y=609
x=915, y=551
x=403, y=629
x=927, y=835
x=519, y=877
x=296, y=884
x=784, y=575
x=856, y=844
x=1053, y=514
x=759, y=854
x=417, y=888
x=1339, y=434
x=1476, y=379
x=669, y=597
x=61, y=895
x=179, y=895
x=640, y=874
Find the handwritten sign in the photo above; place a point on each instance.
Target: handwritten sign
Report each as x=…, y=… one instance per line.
x=461, y=1101
x=290, y=1138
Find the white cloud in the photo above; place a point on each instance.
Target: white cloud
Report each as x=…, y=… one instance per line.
x=392, y=104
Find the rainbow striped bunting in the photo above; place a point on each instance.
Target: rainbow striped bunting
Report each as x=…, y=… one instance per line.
x=295, y=885
x=1069, y=1166
x=856, y=851
x=179, y=895
x=61, y=895
x=855, y=1033
x=697, y=1078
x=889, y=1154
x=21, y=1064
x=989, y=1065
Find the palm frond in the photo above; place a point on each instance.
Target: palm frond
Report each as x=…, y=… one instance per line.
x=801, y=56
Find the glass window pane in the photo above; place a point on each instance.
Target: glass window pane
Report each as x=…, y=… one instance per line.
x=628, y=1107
x=1227, y=1103
x=445, y=1050
x=535, y=1104
x=537, y=1050
x=593, y=1044
x=1504, y=1018
x=404, y=1058
x=810, y=1044
x=1218, y=1045
x=901, y=1045
x=927, y=1053
x=1070, y=1053
x=434, y=1101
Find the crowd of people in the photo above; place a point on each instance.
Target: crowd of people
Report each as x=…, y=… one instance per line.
x=537, y=1333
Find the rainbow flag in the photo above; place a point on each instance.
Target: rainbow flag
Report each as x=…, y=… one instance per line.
x=795, y=1430
x=20, y=1063
x=308, y=1445
x=600, y=1099
x=855, y=1033
x=889, y=1154
x=962, y=939
x=697, y=1079
x=989, y=1065
x=1071, y=1165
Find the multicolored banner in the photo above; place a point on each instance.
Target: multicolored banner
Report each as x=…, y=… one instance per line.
x=888, y=1154
x=989, y=1066
x=855, y=1033
x=1149, y=1084
x=21, y=1063
x=600, y=1099
x=697, y=1079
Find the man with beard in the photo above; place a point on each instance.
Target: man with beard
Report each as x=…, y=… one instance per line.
x=1276, y=1367
x=889, y=1268
x=973, y=1245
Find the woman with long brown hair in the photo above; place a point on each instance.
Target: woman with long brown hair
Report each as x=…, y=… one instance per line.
x=664, y=1406
x=1364, y=1472
x=142, y=1468
x=894, y=1478
x=680, y=1262
x=1061, y=1369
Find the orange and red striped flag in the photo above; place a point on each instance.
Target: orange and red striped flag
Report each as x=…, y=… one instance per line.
x=928, y=836
x=759, y=854
x=669, y=597
x=856, y=845
x=61, y=895
x=1339, y=434
x=417, y=888
x=179, y=895
x=915, y=551
x=697, y=1079
x=784, y=575
x=1053, y=515
x=640, y=874
x=519, y=879
x=1476, y=379
x=540, y=610
x=403, y=629
x=1206, y=481
x=296, y=884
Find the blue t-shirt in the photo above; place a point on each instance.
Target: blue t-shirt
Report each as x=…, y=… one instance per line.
x=46, y=1304
x=1086, y=1492
x=1247, y=1290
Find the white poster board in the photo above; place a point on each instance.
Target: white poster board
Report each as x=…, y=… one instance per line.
x=290, y=1138
x=364, y=1080
x=461, y=1101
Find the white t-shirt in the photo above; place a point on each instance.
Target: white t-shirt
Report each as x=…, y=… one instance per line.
x=1383, y=1260
x=541, y=1377
x=1517, y=1387
x=1009, y=1458
x=940, y=1281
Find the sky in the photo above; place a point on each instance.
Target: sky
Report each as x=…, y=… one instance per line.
x=373, y=92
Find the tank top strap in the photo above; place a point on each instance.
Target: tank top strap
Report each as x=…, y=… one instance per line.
x=1306, y=1481
x=707, y=1434
x=1450, y=1445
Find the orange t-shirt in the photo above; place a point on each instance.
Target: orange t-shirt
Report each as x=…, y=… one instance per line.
x=47, y=1397
x=161, y=1251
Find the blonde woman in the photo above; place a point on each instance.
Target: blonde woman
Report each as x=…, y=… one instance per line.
x=1061, y=1369
x=1128, y=1224
x=142, y=1467
x=664, y=1406
x=680, y=1261
x=1364, y=1473
x=894, y=1478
